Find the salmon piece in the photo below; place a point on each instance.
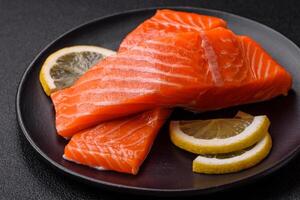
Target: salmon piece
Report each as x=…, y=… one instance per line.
x=244, y=73
x=159, y=72
x=169, y=21
x=241, y=70
x=120, y=145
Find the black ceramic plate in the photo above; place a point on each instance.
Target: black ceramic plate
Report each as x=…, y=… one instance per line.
x=167, y=170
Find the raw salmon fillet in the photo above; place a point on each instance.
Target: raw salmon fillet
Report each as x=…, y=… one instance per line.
x=139, y=79
x=169, y=21
x=120, y=145
x=242, y=72
x=240, y=69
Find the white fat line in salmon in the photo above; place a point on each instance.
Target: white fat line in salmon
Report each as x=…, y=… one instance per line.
x=148, y=69
x=211, y=58
x=268, y=69
x=160, y=53
x=209, y=22
x=176, y=25
x=247, y=56
x=155, y=42
x=260, y=65
x=63, y=106
x=97, y=91
x=253, y=64
x=225, y=40
x=130, y=79
x=142, y=80
x=152, y=60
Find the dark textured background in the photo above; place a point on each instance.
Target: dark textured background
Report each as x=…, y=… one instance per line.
x=26, y=27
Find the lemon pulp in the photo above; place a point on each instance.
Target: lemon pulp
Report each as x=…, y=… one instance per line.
x=63, y=67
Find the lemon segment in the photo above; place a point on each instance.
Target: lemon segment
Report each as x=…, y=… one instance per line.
x=233, y=163
x=249, y=133
x=63, y=67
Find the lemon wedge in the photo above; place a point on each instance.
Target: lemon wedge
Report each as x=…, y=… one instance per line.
x=219, y=135
x=235, y=161
x=66, y=65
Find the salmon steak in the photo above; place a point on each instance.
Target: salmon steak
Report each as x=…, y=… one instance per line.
x=197, y=63
x=139, y=79
x=242, y=71
x=120, y=145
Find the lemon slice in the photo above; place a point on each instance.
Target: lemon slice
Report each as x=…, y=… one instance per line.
x=219, y=135
x=66, y=65
x=233, y=162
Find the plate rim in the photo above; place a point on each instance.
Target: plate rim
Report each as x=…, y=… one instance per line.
x=133, y=189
